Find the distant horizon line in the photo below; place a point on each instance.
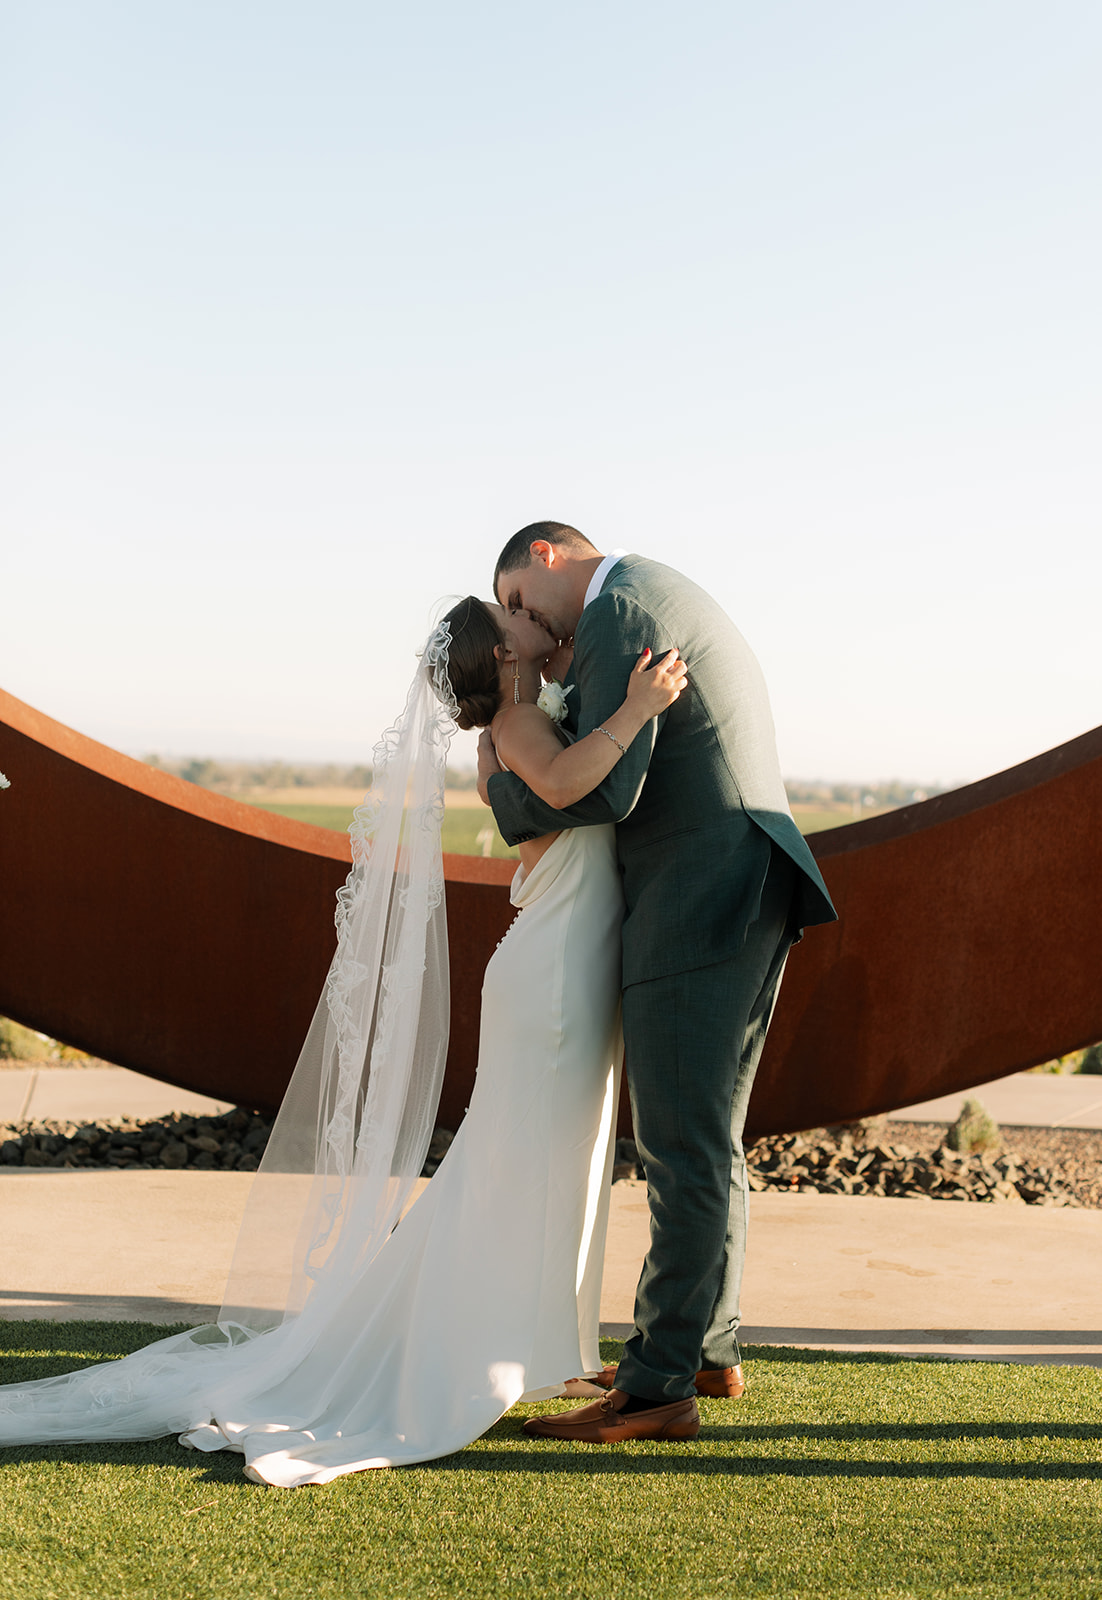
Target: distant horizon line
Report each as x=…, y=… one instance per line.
x=469, y=768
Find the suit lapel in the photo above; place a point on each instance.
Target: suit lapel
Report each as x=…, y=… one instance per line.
x=570, y=723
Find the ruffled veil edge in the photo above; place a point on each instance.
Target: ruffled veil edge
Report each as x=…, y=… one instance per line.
x=352, y=1132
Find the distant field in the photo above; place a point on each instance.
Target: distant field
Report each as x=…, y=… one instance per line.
x=811, y=820
x=465, y=819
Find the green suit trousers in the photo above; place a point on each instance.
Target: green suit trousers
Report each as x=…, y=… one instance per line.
x=695, y=1039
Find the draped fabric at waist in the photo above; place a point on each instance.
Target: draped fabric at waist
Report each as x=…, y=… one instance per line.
x=574, y=847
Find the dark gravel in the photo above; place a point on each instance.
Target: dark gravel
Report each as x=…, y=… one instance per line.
x=234, y=1141
x=1071, y=1155
x=1037, y=1166
x=1031, y=1166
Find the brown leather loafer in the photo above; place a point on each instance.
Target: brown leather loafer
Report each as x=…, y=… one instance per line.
x=714, y=1383
x=602, y=1422
x=720, y=1383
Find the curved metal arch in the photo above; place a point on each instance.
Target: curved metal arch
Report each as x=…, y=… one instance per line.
x=187, y=935
x=968, y=946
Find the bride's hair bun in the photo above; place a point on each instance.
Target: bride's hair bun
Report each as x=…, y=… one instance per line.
x=472, y=666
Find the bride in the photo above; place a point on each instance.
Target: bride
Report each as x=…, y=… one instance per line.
x=360, y=1330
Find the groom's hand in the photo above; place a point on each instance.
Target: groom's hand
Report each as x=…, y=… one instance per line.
x=488, y=764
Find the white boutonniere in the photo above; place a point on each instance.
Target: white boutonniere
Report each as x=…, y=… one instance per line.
x=5, y=783
x=552, y=700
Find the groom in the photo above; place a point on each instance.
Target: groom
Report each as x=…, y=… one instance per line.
x=718, y=883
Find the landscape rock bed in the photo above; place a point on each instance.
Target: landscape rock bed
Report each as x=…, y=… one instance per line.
x=232, y=1142
x=1037, y=1166
x=1072, y=1155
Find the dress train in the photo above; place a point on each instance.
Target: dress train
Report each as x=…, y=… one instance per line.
x=487, y=1291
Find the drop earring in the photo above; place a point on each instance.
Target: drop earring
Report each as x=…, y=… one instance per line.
x=516, y=683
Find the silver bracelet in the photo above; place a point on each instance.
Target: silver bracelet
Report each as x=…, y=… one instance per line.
x=613, y=737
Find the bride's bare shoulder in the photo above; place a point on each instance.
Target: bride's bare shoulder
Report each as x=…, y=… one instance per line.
x=524, y=712
x=524, y=721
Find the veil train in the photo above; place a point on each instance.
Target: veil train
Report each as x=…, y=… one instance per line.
x=352, y=1132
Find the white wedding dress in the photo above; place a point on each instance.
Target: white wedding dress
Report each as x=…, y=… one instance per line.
x=487, y=1291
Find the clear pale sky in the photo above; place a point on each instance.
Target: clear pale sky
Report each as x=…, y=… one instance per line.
x=307, y=308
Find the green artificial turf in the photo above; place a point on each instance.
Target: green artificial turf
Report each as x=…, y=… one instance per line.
x=867, y=1476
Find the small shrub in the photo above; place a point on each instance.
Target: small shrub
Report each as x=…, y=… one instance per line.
x=69, y=1054
x=1092, y=1060
x=20, y=1044
x=974, y=1130
x=1058, y=1064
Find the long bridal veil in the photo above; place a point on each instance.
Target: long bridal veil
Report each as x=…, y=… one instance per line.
x=352, y=1132
x=354, y=1126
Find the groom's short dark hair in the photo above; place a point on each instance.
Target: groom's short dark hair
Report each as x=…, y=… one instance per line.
x=518, y=552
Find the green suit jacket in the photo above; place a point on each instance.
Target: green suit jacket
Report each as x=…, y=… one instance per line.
x=698, y=797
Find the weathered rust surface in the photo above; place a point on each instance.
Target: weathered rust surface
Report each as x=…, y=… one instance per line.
x=969, y=946
x=187, y=935
x=182, y=934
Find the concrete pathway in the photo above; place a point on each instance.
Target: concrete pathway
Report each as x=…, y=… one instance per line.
x=127, y=1246
x=1025, y=1099
x=830, y=1272
x=104, y=1094
x=909, y=1277
x=94, y=1094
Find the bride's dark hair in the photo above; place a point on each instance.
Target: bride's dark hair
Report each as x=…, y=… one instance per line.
x=472, y=666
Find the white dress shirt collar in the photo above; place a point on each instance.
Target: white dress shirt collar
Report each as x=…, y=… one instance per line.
x=596, y=583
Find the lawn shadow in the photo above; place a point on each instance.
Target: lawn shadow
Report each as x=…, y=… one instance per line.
x=802, y=1355
x=100, y=1338
x=165, y=1453
x=32, y=1368
x=506, y=1449
x=605, y=1460
x=912, y=1432
x=44, y=1348
x=807, y=1342
x=225, y=1467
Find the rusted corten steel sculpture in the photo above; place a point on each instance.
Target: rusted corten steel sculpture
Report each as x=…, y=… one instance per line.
x=186, y=935
x=969, y=946
x=183, y=934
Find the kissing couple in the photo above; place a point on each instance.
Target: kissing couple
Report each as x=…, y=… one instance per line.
x=661, y=884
